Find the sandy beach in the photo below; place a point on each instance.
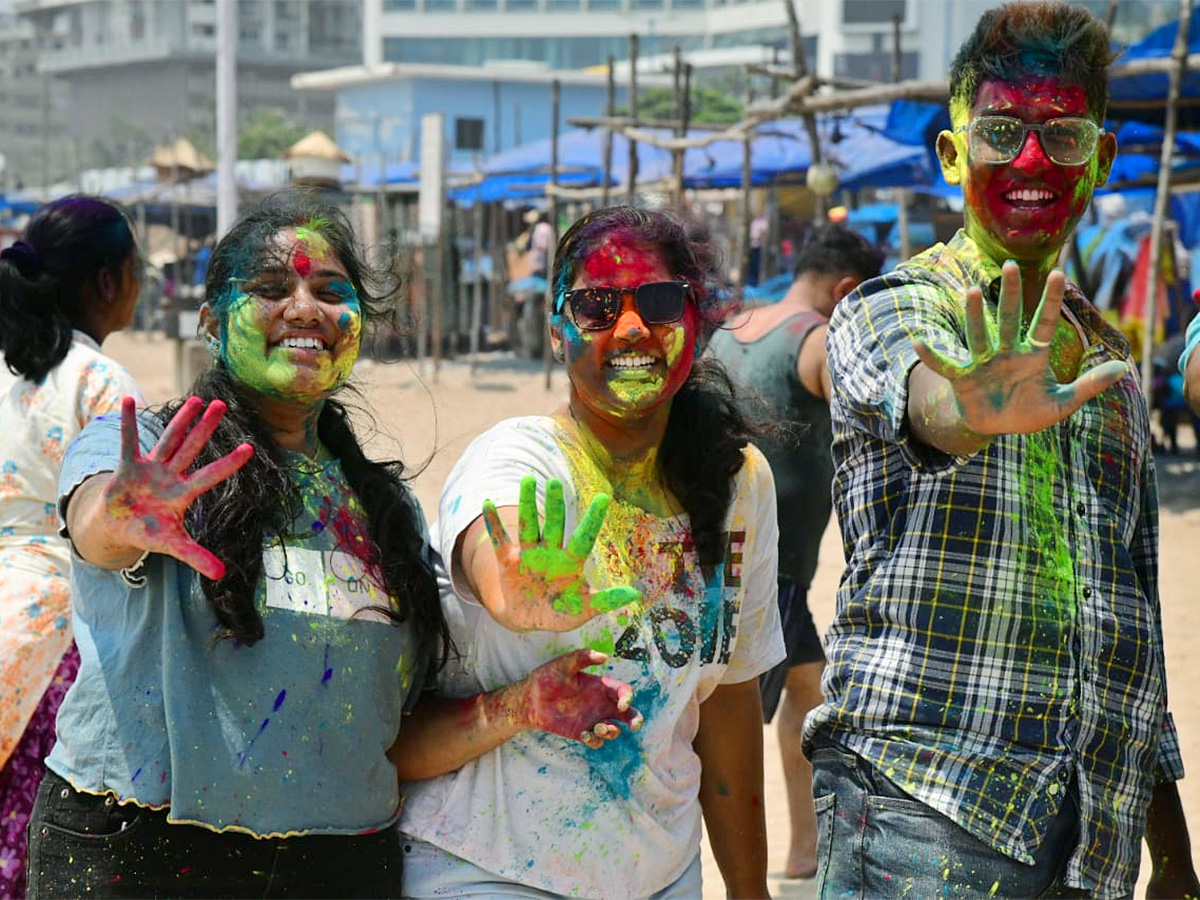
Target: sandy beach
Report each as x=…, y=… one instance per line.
x=426, y=417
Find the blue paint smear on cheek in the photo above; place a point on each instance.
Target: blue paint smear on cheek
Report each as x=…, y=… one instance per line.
x=348, y=295
x=616, y=765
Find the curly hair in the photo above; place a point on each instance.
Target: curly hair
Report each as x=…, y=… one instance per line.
x=1023, y=39
x=64, y=248
x=702, y=448
x=236, y=518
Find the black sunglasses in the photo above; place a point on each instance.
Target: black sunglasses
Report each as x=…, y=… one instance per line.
x=658, y=303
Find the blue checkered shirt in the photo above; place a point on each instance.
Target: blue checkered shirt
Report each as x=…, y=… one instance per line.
x=998, y=627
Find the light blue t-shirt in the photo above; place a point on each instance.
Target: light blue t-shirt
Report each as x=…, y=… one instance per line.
x=285, y=737
x=1191, y=342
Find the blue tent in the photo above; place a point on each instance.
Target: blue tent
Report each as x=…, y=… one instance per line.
x=1143, y=97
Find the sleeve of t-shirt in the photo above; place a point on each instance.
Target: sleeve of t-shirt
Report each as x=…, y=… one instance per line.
x=871, y=356
x=759, y=645
x=491, y=468
x=103, y=384
x=1190, y=343
x=98, y=449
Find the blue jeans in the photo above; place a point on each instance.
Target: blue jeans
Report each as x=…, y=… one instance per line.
x=873, y=840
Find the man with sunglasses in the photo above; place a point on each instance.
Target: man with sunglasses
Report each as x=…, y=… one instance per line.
x=995, y=719
x=778, y=350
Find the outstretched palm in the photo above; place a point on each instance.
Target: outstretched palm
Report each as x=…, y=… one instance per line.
x=1008, y=385
x=540, y=566
x=146, y=497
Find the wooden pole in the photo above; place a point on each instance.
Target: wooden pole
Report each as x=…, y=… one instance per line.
x=800, y=65
x=902, y=194
x=1162, y=194
x=477, y=283
x=747, y=215
x=547, y=353
x=677, y=154
x=610, y=110
x=631, y=188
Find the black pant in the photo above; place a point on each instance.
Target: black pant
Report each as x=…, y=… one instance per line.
x=88, y=845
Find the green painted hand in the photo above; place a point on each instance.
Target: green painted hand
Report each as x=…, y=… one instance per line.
x=540, y=566
x=1008, y=386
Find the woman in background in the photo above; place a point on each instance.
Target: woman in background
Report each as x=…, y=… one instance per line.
x=70, y=281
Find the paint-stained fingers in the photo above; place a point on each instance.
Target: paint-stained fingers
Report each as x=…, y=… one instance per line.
x=1010, y=305
x=614, y=598
x=177, y=429
x=1072, y=396
x=129, y=430
x=495, y=528
x=590, y=740
x=588, y=530
x=528, y=529
x=950, y=369
x=1045, y=319
x=979, y=342
x=197, y=438
x=192, y=554
x=556, y=514
x=622, y=694
x=205, y=479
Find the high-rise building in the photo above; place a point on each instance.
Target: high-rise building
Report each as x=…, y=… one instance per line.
x=141, y=72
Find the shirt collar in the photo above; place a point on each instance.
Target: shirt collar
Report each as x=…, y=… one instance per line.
x=86, y=339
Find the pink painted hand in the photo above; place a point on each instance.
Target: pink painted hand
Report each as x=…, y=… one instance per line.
x=1008, y=386
x=539, y=566
x=146, y=497
x=559, y=697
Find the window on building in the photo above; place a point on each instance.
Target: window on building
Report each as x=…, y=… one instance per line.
x=399, y=5
x=872, y=12
x=563, y=5
x=604, y=5
x=468, y=134
x=483, y=5
x=649, y=4
x=520, y=5
x=441, y=5
x=873, y=66
x=204, y=30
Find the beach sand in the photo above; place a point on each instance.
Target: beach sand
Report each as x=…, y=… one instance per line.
x=426, y=416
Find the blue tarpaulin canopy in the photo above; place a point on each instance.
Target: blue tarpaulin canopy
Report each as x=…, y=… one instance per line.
x=1144, y=97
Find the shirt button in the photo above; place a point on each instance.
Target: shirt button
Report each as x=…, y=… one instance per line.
x=1087, y=591
x=1081, y=508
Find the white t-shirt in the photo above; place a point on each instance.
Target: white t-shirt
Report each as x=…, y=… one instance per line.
x=622, y=821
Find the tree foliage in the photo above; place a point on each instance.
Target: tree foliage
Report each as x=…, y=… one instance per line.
x=266, y=132
x=708, y=106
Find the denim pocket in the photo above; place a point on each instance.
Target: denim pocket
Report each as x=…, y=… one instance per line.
x=85, y=817
x=826, y=809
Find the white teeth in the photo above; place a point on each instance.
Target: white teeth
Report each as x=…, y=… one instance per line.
x=1029, y=195
x=303, y=343
x=630, y=361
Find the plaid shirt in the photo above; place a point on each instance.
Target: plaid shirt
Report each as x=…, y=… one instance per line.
x=997, y=628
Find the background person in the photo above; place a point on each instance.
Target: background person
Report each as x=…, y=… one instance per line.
x=995, y=711
x=778, y=350
x=70, y=281
x=691, y=525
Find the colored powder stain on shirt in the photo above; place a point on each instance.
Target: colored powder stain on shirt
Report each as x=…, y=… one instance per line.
x=616, y=765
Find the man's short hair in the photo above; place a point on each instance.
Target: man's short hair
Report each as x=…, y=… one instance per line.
x=1020, y=40
x=831, y=249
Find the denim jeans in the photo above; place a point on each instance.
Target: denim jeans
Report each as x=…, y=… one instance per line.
x=89, y=845
x=873, y=840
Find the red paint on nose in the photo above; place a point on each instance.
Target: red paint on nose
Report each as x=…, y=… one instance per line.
x=301, y=263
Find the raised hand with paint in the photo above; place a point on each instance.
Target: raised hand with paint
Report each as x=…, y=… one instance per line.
x=1009, y=383
x=652, y=489
x=540, y=579
x=140, y=507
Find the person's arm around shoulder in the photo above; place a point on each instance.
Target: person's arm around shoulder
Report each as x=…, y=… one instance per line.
x=1191, y=381
x=729, y=744
x=812, y=363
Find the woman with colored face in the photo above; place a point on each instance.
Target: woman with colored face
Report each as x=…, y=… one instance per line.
x=255, y=605
x=637, y=521
x=72, y=279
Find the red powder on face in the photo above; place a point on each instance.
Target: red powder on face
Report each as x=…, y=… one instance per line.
x=301, y=263
x=623, y=261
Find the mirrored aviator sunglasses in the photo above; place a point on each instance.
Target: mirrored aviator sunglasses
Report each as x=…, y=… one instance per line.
x=658, y=303
x=998, y=140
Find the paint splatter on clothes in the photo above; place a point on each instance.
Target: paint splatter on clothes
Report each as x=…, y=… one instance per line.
x=286, y=737
x=37, y=422
x=998, y=627
x=623, y=820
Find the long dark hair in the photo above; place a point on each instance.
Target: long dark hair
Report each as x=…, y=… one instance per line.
x=64, y=248
x=235, y=518
x=701, y=450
